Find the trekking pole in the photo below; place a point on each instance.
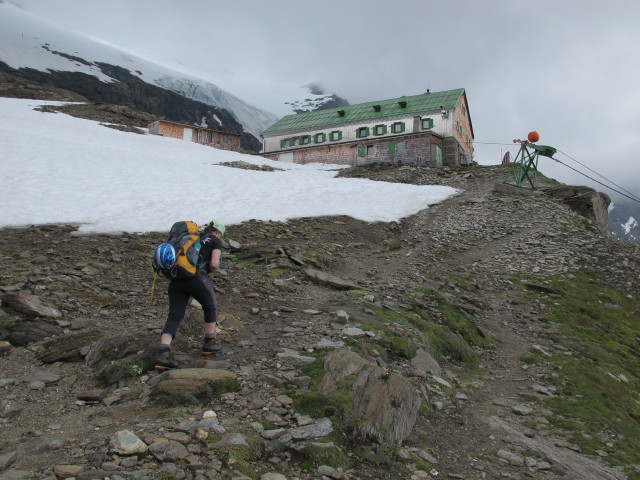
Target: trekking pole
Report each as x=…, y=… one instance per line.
x=153, y=284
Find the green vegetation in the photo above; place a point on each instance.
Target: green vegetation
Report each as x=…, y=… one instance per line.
x=239, y=457
x=180, y=399
x=312, y=456
x=598, y=400
x=458, y=321
x=117, y=372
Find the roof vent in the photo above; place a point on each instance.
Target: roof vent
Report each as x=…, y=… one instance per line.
x=341, y=113
x=402, y=104
x=376, y=108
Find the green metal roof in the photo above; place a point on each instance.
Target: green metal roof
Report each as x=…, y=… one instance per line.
x=417, y=104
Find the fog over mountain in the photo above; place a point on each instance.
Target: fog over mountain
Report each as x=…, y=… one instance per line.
x=39, y=50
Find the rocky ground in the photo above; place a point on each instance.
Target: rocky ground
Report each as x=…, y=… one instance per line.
x=78, y=397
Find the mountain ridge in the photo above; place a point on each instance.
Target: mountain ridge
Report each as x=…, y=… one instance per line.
x=44, y=52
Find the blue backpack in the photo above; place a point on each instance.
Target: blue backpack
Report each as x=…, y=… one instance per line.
x=178, y=257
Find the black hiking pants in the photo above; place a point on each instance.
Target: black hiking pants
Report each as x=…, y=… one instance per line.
x=180, y=291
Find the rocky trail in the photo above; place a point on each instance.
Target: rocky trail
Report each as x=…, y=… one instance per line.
x=78, y=400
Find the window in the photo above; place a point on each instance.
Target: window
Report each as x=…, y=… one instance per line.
x=379, y=129
x=319, y=138
x=362, y=132
x=376, y=108
x=305, y=139
x=296, y=141
x=397, y=127
x=400, y=147
x=209, y=137
x=335, y=136
x=225, y=139
x=427, y=123
x=365, y=150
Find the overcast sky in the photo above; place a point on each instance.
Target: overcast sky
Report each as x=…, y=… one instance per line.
x=569, y=69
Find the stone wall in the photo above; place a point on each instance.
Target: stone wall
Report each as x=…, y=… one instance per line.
x=408, y=149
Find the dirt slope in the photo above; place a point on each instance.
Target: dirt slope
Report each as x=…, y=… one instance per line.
x=473, y=250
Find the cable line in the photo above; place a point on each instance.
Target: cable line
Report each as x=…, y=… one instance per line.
x=591, y=178
x=630, y=195
x=601, y=176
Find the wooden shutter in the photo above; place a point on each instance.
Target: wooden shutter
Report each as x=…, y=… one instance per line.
x=391, y=149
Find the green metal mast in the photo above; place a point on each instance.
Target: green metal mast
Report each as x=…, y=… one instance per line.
x=522, y=171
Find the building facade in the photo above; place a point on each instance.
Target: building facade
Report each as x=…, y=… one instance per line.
x=191, y=133
x=432, y=129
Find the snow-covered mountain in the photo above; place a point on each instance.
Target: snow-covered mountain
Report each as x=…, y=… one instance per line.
x=39, y=50
x=624, y=215
x=317, y=100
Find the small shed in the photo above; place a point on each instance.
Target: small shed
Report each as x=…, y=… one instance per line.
x=192, y=133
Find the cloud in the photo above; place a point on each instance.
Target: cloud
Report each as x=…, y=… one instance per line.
x=564, y=69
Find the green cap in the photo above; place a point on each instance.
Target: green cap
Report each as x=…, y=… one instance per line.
x=218, y=225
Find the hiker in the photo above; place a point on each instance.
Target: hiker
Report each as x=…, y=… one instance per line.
x=200, y=288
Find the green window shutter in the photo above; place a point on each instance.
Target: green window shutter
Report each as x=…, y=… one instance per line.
x=282, y=143
x=362, y=132
x=339, y=134
x=320, y=138
x=431, y=123
x=362, y=150
x=397, y=127
x=391, y=149
x=381, y=128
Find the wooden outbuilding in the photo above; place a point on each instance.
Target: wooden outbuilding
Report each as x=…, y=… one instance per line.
x=192, y=133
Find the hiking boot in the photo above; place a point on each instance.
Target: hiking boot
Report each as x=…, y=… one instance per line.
x=210, y=347
x=164, y=361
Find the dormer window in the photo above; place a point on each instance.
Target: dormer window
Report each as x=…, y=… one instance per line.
x=376, y=108
x=341, y=113
x=402, y=104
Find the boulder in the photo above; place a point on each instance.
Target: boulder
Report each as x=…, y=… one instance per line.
x=387, y=404
x=585, y=201
x=202, y=383
x=168, y=451
x=424, y=361
x=328, y=279
x=125, y=442
x=23, y=332
x=29, y=305
x=113, y=348
x=67, y=348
